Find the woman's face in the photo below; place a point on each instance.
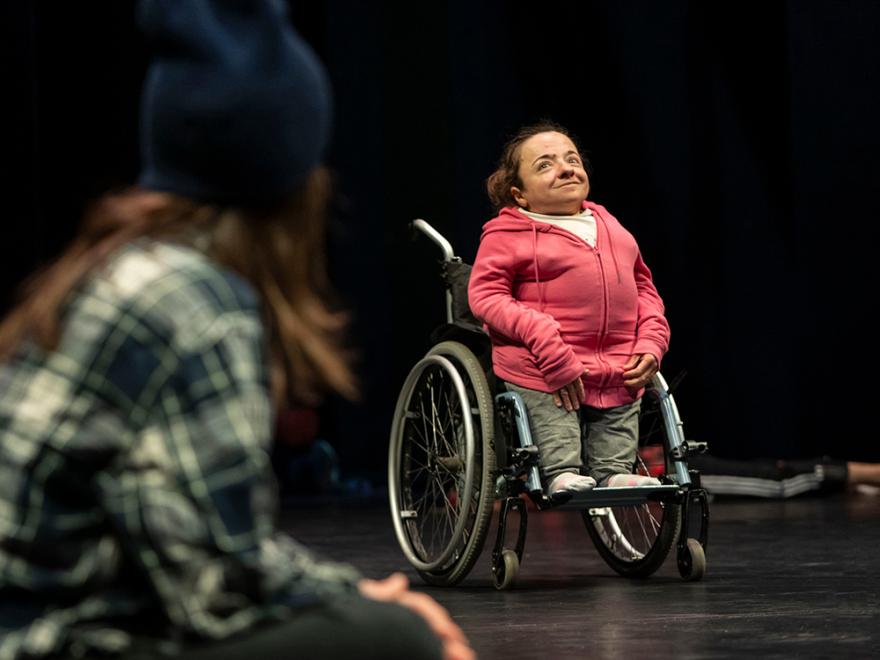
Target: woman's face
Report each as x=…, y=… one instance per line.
x=554, y=181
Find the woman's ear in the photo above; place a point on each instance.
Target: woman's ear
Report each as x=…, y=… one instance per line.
x=516, y=193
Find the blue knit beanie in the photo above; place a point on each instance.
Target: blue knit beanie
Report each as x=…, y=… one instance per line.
x=236, y=108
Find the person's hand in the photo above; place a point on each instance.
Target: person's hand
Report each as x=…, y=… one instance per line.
x=395, y=589
x=639, y=370
x=571, y=395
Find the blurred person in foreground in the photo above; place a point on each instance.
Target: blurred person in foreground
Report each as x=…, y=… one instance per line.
x=140, y=372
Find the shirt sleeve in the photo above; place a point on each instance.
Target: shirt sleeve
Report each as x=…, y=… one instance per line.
x=491, y=299
x=193, y=499
x=653, y=329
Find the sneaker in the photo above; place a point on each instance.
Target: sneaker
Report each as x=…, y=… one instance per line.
x=570, y=482
x=630, y=481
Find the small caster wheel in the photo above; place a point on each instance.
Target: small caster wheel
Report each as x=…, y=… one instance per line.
x=505, y=570
x=692, y=561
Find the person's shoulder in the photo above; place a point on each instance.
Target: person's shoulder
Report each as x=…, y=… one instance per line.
x=509, y=219
x=197, y=274
x=147, y=273
x=169, y=294
x=604, y=213
x=611, y=222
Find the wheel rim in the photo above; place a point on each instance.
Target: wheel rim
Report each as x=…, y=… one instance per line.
x=631, y=532
x=432, y=464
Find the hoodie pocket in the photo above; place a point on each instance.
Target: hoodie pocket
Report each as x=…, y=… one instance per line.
x=616, y=351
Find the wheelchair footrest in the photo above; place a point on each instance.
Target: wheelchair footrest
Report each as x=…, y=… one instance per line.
x=600, y=497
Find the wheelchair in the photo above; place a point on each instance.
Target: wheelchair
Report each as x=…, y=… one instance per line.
x=458, y=444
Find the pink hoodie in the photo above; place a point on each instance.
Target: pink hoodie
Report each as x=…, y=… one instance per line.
x=555, y=306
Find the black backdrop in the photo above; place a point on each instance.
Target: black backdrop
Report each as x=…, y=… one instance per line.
x=738, y=142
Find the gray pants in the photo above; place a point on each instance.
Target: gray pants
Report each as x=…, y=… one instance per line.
x=610, y=442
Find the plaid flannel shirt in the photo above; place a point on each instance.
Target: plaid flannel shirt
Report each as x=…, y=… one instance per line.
x=135, y=486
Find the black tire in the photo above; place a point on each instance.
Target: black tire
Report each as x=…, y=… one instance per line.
x=504, y=574
x=635, y=539
x=692, y=562
x=441, y=497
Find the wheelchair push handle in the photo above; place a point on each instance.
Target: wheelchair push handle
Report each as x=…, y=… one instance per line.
x=436, y=236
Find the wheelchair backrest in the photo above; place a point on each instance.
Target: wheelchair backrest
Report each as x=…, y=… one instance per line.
x=456, y=275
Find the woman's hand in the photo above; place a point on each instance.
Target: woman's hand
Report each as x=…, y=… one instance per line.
x=395, y=589
x=570, y=395
x=639, y=370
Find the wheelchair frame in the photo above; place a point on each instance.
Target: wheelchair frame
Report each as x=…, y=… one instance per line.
x=492, y=435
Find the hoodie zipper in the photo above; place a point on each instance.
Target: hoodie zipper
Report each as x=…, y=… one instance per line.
x=603, y=327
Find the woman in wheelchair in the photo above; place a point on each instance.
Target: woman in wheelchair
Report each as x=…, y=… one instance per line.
x=576, y=324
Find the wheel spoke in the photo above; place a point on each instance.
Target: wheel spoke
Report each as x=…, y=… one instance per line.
x=449, y=426
x=639, y=510
x=433, y=517
x=424, y=439
x=420, y=504
x=426, y=436
x=433, y=416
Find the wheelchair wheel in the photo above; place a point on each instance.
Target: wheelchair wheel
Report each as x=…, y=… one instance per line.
x=505, y=572
x=635, y=539
x=692, y=561
x=441, y=463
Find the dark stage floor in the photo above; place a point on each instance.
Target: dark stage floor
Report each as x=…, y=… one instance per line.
x=785, y=579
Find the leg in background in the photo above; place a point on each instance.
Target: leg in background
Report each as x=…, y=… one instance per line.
x=863, y=473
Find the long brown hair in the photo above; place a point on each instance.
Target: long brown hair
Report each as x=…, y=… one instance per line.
x=506, y=174
x=279, y=251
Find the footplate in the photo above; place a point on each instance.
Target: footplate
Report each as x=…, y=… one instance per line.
x=602, y=497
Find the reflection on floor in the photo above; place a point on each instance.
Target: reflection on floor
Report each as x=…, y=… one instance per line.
x=798, y=578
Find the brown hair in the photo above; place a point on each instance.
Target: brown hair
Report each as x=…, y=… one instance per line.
x=506, y=174
x=280, y=252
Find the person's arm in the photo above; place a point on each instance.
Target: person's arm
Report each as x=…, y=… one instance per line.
x=491, y=300
x=652, y=329
x=192, y=499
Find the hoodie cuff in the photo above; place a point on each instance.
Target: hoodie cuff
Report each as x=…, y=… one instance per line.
x=562, y=377
x=643, y=347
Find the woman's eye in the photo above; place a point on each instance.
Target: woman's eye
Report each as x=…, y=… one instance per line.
x=544, y=165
